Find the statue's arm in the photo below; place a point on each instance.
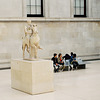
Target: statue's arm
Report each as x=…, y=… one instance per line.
x=25, y=29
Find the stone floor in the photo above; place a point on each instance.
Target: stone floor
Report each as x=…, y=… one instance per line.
x=74, y=85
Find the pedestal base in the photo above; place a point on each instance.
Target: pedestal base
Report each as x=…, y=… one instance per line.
x=33, y=77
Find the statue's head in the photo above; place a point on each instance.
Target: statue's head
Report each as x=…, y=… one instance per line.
x=34, y=25
x=29, y=22
x=34, y=28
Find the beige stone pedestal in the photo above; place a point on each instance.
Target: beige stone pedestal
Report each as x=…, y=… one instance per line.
x=33, y=77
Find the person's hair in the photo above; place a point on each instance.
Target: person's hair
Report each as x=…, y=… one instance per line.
x=59, y=54
x=74, y=55
x=71, y=53
x=67, y=56
x=54, y=54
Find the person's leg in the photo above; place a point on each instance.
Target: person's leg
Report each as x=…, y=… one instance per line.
x=70, y=67
x=74, y=65
x=55, y=70
x=58, y=68
x=61, y=66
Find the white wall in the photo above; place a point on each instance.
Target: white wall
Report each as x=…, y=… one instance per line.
x=95, y=8
x=65, y=9
x=10, y=8
x=80, y=37
x=59, y=8
x=52, y=8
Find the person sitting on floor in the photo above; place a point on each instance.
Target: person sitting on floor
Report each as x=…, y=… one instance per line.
x=55, y=63
x=60, y=61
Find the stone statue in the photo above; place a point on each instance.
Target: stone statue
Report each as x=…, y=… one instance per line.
x=31, y=41
x=34, y=42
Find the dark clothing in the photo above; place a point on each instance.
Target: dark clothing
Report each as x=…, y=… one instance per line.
x=61, y=63
x=75, y=64
x=56, y=68
x=66, y=57
x=55, y=60
x=71, y=59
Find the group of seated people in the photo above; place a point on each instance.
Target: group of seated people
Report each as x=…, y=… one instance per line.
x=59, y=62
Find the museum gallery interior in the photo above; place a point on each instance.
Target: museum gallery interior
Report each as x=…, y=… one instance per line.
x=50, y=49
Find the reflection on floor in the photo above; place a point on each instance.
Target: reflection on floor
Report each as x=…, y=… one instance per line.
x=74, y=85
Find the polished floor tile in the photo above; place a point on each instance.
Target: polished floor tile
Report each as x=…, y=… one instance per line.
x=71, y=85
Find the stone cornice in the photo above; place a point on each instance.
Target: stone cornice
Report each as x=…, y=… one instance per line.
x=49, y=20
